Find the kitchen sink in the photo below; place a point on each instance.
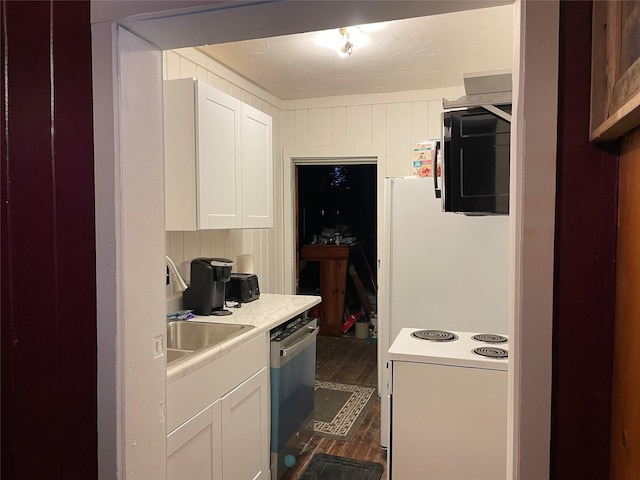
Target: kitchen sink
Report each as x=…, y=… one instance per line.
x=174, y=354
x=184, y=338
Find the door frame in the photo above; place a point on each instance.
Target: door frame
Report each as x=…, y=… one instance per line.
x=328, y=161
x=531, y=233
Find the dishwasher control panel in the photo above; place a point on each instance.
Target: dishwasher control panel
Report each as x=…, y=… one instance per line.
x=281, y=332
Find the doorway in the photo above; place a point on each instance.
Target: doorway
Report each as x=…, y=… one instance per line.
x=529, y=373
x=336, y=205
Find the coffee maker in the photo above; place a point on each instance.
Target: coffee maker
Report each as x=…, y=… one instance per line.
x=206, y=292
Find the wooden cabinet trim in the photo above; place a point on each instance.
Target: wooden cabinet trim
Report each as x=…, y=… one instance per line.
x=615, y=87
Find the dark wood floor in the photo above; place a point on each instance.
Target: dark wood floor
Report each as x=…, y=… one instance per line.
x=353, y=361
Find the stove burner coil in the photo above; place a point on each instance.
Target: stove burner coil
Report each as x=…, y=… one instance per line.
x=489, y=338
x=491, y=352
x=434, y=335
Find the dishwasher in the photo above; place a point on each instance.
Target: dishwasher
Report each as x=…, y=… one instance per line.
x=293, y=374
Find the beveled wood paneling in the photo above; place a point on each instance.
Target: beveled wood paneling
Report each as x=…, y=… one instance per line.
x=339, y=126
x=301, y=128
x=359, y=125
x=625, y=429
x=320, y=126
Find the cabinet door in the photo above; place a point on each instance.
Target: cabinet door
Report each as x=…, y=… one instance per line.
x=257, y=169
x=218, y=153
x=245, y=429
x=194, y=449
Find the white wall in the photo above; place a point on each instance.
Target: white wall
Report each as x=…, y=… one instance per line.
x=129, y=244
x=383, y=126
x=532, y=214
x=182, y=247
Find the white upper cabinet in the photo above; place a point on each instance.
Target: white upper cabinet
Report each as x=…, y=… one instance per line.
x=218, y=160
x=257, y=168
x=218, y=140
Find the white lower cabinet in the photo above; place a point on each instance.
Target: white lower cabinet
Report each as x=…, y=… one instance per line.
x=194, y=450
x=227, y=438
x=245, y=430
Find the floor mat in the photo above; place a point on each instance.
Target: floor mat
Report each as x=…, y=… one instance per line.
x=330, y=467
x=340, y=409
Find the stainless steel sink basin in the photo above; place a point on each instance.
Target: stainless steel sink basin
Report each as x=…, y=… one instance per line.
x=184, y=338
x=174, y=354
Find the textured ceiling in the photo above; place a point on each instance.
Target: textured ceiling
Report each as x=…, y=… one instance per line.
x=412, y=54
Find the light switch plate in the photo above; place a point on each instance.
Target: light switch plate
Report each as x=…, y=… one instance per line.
x=158, y=346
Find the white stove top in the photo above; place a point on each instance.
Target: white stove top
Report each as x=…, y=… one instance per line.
x=457, y=352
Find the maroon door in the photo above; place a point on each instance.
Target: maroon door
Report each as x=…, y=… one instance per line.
x=48, y=321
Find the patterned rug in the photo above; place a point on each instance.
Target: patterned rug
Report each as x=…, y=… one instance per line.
x=340, y=409
x=323, y=466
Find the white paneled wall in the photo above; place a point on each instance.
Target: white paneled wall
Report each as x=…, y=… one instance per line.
x=383, y=126
x=182, y=247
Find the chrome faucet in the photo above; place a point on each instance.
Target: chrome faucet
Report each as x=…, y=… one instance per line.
x=182, y=286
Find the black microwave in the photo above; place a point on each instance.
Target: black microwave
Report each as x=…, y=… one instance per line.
x=474, y=156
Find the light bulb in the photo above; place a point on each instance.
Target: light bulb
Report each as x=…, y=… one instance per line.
x=346, y=49
x=356, y=36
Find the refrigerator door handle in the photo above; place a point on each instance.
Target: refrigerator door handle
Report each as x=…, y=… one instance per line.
x=438, y=191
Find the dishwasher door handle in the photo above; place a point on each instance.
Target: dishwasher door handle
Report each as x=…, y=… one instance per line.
x=301, y=344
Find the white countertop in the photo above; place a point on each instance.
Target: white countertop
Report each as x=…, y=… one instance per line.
x=269, y=311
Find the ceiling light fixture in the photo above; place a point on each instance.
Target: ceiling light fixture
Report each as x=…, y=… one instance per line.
x=346, y=39
x=346, y=46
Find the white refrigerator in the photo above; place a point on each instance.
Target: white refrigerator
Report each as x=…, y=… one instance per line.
x=438, y=270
